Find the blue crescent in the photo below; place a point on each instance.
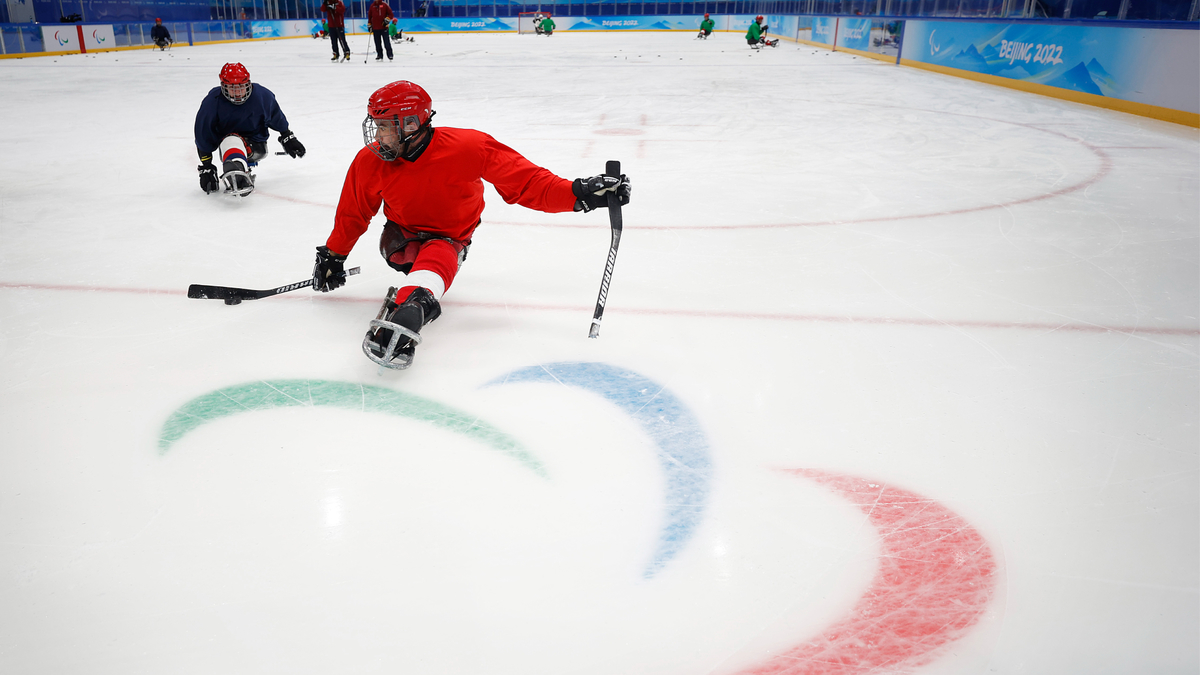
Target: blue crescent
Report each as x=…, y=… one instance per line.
x=683, y=450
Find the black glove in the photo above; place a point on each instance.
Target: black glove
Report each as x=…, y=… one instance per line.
x=208, y=175
x=328, y=272
x=293, y=147
x=593, y=192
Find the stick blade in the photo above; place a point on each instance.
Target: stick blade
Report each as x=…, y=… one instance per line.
x=231, y=296
x=207, y=292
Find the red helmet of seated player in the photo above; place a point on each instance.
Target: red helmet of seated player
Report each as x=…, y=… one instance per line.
x=758, y=19
x=396, y=113
x=235, y=83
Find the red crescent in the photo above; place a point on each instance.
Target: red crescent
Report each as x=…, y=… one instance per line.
x=935, y=580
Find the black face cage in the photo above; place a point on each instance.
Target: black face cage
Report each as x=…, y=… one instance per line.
x=386, y=138
x=236, y=100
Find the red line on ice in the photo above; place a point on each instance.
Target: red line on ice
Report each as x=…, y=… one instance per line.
x=1105, y=166
x=697, y=313
x=935, y=580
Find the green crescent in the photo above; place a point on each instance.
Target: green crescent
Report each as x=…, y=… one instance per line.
x=269, y=394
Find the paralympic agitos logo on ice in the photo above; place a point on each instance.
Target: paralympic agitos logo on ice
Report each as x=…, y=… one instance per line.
x=931, y=563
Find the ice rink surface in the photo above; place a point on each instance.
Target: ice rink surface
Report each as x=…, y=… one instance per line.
x=898, y=374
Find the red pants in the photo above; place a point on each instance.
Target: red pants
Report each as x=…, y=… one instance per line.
x=411, y=252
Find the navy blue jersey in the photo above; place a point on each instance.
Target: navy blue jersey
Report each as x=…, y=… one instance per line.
x=160, y=31
x=218, y=118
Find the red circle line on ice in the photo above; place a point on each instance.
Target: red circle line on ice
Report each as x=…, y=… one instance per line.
x=1104, y=167
x=936, y=578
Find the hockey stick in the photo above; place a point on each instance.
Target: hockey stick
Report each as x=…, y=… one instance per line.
x=611, y=168
x=233, y=296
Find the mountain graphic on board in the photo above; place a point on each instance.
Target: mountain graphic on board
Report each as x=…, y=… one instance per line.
x=1106, y=82
x=1004, y=67
x=1077, y=79
x=970, y=59
x=1017, y=72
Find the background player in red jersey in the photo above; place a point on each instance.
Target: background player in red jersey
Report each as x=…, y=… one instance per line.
x=335, y=24
x=430, y=183
x=379, y=15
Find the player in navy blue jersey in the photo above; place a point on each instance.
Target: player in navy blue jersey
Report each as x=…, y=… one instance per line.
x=233, y=121
x=160, y=35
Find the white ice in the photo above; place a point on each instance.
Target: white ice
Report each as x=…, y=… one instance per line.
x=982, y=296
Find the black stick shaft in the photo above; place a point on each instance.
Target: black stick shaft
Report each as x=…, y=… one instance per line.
x=207, y=292
x=612, y=168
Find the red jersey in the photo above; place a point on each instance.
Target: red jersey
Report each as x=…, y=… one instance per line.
x=378, y=15
x=442, y=192
x=334, y=11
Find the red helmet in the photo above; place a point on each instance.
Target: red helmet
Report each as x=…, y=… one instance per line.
x=758, y=19
x=235, y=83
x=706, y=15
x=399, y=111
x=157, y=20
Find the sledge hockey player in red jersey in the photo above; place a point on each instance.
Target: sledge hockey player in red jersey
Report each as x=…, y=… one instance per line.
x=233, y=119
x=430, y=183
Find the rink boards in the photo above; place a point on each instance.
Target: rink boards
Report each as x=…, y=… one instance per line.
x=1149, y=71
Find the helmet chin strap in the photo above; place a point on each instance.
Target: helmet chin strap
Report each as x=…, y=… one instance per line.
x=416, y=144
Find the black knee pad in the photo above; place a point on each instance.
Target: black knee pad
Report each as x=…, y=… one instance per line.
x=393, y=241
